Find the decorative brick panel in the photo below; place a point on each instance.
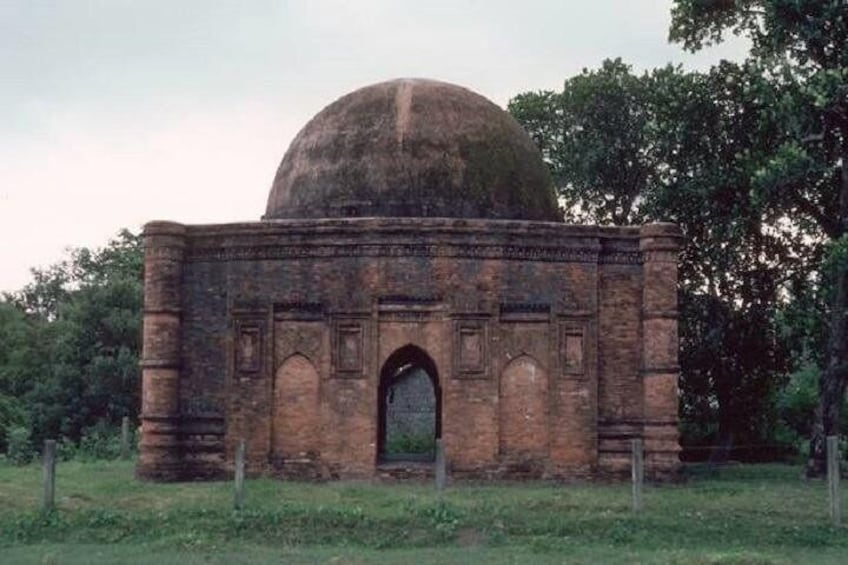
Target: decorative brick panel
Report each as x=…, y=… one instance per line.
x=572, y=349
x=471, y=349
x=348, y=349
x=248, y=348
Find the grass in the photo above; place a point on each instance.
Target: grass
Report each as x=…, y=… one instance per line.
x=401, y=443
x=743, y=514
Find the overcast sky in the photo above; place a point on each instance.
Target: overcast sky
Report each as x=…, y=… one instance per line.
x=117, y=112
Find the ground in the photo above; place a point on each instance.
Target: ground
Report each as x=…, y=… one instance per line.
x=738, y=514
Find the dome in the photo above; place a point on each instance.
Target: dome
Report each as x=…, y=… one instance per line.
x=413, y=148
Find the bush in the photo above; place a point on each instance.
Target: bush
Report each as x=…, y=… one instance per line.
x=409, y=443
x=796, y=403
x=19, y=448
x=100, y=441
x=66, y=449
x=11, y=416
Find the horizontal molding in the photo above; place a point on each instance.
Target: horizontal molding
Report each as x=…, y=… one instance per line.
x=154, y=253
x=660, y=371
x=660, y=314
x=658, y=255
x=636, y=422
x=458, y=251
x=158, y=416
x=628, y=452
x=159, y=364
x=659, y=244
x=175, y=310
x=620, y=258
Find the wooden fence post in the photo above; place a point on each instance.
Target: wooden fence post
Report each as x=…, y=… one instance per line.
x=49, y=463
x=637, y=472
x=125, y=438
x=238, y=497
x=441, y=466
x=833, y=480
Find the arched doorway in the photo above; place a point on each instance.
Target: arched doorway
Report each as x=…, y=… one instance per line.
x=410, y=401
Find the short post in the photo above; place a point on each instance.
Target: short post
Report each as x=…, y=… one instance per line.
x=441, y=467
x=125, y=438
x=49, y=474
x=238, y=498
x=637, y=472
x=833, y=480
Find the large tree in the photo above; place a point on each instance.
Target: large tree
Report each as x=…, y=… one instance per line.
x=804, y=45
x=686, y=147
x=73, y=338
x=20, y=366
x=596, y=137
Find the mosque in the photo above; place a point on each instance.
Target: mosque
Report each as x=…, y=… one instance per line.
x=411, y=279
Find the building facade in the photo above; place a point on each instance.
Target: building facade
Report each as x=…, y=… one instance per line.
x=411, y=226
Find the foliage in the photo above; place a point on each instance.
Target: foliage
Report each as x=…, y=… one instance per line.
x=19, y=449
x=443, y=516
x=11, y=416
x=71, y=339
x=689, y=148
x=802, y=44
x=593, y=136
x=19, y=367
x=797, y=400
x=411, y=443
x=812, y=33
x=101, y=441
x=752, y=161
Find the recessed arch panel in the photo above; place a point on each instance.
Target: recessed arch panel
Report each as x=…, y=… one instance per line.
x=523, y=408
x=296, y=410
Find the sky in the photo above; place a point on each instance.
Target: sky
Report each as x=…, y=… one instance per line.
x=117, y=112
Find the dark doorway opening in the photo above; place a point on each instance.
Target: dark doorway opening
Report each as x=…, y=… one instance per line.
x=410, y=401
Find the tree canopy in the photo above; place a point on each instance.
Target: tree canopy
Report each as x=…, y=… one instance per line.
x=69, y=343
x=751, y=160
x=802, y=47
x=687, y=147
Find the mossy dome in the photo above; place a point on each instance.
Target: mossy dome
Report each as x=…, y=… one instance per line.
x=413, y=148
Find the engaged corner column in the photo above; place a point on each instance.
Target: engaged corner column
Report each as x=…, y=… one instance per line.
x=159, y=450
x=660, y=245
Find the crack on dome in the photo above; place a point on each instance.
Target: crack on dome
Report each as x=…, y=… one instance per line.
x=403, y=106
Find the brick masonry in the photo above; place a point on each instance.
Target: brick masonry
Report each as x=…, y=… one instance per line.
x=552, y=345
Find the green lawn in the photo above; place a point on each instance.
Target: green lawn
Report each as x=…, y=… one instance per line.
x=743, y=514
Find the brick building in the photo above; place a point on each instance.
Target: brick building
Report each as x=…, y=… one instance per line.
x=411, y=226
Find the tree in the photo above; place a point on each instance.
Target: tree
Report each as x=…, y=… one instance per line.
x=18, y=367
x=594, y=135
x=804, y=43
x=686, y=147
x=74, y=364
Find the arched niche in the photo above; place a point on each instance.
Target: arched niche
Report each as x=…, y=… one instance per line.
x=523, y=408
x=410, y=406
x=296, y=416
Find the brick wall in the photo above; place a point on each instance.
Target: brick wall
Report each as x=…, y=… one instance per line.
x=534, y=331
